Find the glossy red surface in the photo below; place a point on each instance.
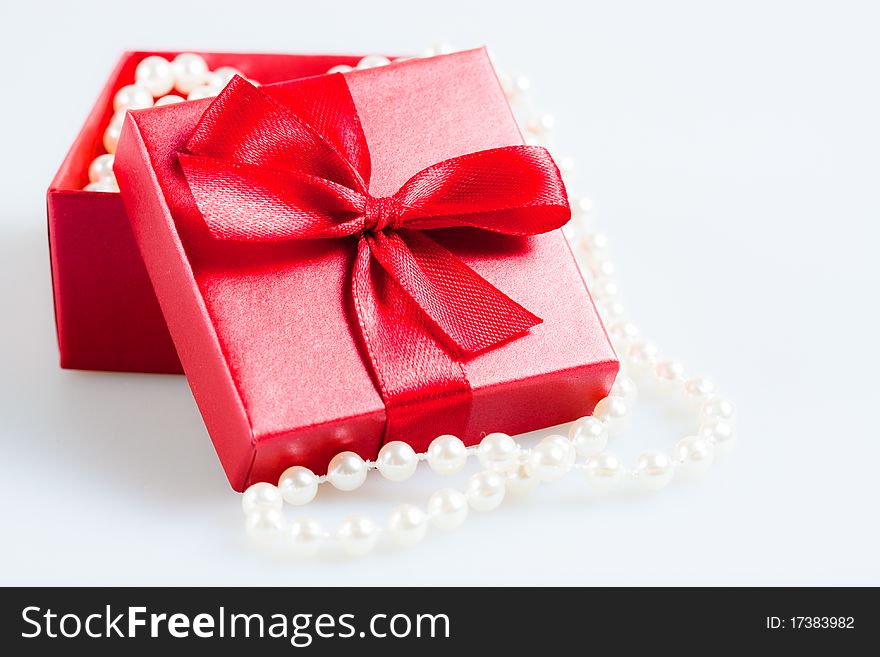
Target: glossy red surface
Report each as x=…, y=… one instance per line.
x=106, y=313
x=264, y=332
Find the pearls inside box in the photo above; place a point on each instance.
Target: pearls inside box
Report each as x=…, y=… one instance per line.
x=157, y=82
x=161, y=82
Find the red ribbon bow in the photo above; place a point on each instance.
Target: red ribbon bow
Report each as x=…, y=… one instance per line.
x=263, y=171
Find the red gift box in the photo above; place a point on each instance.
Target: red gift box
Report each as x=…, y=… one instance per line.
x=106, y=312
x=264, y=331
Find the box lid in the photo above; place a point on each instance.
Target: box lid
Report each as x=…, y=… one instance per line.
x=264, y=331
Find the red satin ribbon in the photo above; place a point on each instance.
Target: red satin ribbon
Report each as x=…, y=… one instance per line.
x=263, y=171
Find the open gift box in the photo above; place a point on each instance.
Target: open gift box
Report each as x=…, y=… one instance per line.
x=107, y=316
x=272, y=334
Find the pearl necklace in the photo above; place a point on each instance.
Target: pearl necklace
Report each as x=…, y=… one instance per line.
x=507, y=466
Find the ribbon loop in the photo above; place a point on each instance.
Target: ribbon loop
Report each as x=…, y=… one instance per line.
x=261, y=170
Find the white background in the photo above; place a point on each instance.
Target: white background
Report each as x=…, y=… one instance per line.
x=732, y=153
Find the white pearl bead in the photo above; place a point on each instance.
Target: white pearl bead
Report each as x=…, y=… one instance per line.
x=155, y=75
x=642, y=355
x=604, y=289
x=439, y=49
x=717, y=408
x=596, y=242
x=101, y=167
x=340, y=68
x=305, y=537
x=623, y=331
x=669, y=372
x=204, y=91
x=498, y=452
x=581, y=206
x=111, y=138
x=546, y=121
x=373, y=61
x=357, y=535
x=264, y=523
x=447, y=455
x=571, y=230
x=625, y=387
x=550, y=459
x=190, y=71
x=719, y=433
x=298, y=485
x=540, y=123
x=694, y=453
x=521, y=84
x=221, y=76
x=520, y=482
x=614, y=413
x=604, y=471
x=610, y=310
x=170, y=99
x=699, y=389
x=601, y=267
x=485, y=491
x=407, y=525
x=261, y=495
x=346, y=471
x=447, y=508
x=113, y=131
x=654, y=470
x=566, y=165
x=564, y=444
x=397, y=461
x=588, y=436
x=132, y=96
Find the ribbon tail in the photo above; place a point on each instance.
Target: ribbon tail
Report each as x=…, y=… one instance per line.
x=424, y=388
x=469, y=313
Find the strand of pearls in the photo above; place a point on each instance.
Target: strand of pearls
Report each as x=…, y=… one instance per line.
x=506, y=466
x=157, y=82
